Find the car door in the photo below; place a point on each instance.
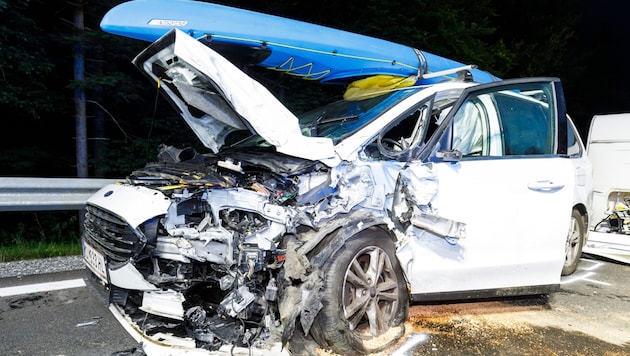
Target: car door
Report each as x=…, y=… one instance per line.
x=511, y=191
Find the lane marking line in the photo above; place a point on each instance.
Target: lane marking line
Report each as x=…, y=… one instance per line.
x=598, y=282
x=595, y=265
x=578, y=277
x=584, y=277
x=41, y=287
x=410, y=343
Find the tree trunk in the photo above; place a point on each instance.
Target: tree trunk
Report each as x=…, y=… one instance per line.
x=79, y=94
x=79, y=102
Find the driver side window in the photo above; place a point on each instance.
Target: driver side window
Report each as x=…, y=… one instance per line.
x=402, y=134
x=400, y=138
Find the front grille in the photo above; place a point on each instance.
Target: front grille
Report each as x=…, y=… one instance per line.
x=110, y=235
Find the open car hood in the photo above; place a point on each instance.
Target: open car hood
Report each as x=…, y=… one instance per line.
x=216, y=98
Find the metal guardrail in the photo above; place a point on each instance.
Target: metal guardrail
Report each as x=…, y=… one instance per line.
x=32, y=194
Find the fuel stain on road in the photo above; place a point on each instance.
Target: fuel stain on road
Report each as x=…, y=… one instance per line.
x=473, y=337
x=487, y=328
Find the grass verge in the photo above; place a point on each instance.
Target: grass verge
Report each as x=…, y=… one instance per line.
x=28, y=250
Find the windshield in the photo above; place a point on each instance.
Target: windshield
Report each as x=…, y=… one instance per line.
x=339, y=119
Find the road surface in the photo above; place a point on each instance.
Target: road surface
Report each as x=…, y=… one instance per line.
x=55, y=314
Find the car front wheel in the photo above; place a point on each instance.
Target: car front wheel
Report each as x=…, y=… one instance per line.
x=574, y=243
x=365, y=297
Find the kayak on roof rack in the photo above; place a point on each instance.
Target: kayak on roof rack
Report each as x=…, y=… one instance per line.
x=303, y=49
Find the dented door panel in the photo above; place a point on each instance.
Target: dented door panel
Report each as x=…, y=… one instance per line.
x=514, y=235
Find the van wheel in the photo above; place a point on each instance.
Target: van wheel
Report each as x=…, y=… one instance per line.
x=574, y=244
x=365, y=300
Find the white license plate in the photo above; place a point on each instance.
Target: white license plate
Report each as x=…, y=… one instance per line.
x=95, y=261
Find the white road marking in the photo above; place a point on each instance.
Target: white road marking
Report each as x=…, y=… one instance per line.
x=595, y=265
x=598, y=282
x=41, y=287
x=577, y=277
x=411, y=342
x=583, y=274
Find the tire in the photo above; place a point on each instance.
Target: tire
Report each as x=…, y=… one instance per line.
x=574, y=243
x=364, y=310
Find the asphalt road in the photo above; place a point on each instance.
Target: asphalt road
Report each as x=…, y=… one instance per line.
x=589, y=316
x=61, y=322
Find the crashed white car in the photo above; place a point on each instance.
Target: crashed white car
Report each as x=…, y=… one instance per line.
x=325, y=226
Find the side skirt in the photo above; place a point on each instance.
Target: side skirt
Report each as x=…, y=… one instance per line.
x=486, y=293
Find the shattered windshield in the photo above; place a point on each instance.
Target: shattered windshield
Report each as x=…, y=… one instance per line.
x=339, y=119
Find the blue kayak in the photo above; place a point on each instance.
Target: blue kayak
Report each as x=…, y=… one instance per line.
x=298, y=48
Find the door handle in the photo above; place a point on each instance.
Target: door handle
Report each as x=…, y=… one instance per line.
x=545, y=186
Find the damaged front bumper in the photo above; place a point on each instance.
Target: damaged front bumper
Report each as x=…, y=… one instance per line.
x=166, y=343
x=163, y=344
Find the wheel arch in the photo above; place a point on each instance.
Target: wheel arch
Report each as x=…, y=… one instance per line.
x=583, y=210
x=573, y=247
x=331, y=236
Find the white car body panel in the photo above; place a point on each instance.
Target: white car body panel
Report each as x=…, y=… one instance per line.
x=583, y=168
x=128, y=277
x=497, y=251
x=135, y=204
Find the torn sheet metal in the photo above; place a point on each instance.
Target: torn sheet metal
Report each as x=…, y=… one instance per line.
x=419, y=186
x=229, y=100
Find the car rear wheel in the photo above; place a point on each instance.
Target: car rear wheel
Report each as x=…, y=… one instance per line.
x=365, y=298
x=574, y=244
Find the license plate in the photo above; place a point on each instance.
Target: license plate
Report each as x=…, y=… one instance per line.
x=95, y=261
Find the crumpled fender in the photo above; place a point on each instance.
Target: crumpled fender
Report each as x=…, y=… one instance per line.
x=303, y=277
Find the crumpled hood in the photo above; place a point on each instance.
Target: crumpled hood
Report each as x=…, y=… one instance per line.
x=216, y=98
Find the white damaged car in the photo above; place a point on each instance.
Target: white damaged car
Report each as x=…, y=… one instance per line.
x=326, y=226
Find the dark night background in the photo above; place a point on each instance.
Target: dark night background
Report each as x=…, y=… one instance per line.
x=605, y=32
x=584, y=42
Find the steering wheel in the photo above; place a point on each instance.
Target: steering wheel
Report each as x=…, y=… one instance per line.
x=392, y=142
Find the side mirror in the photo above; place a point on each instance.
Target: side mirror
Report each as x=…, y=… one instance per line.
x=449, y=156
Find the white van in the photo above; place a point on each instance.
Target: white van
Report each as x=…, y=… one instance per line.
x=608, y=148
